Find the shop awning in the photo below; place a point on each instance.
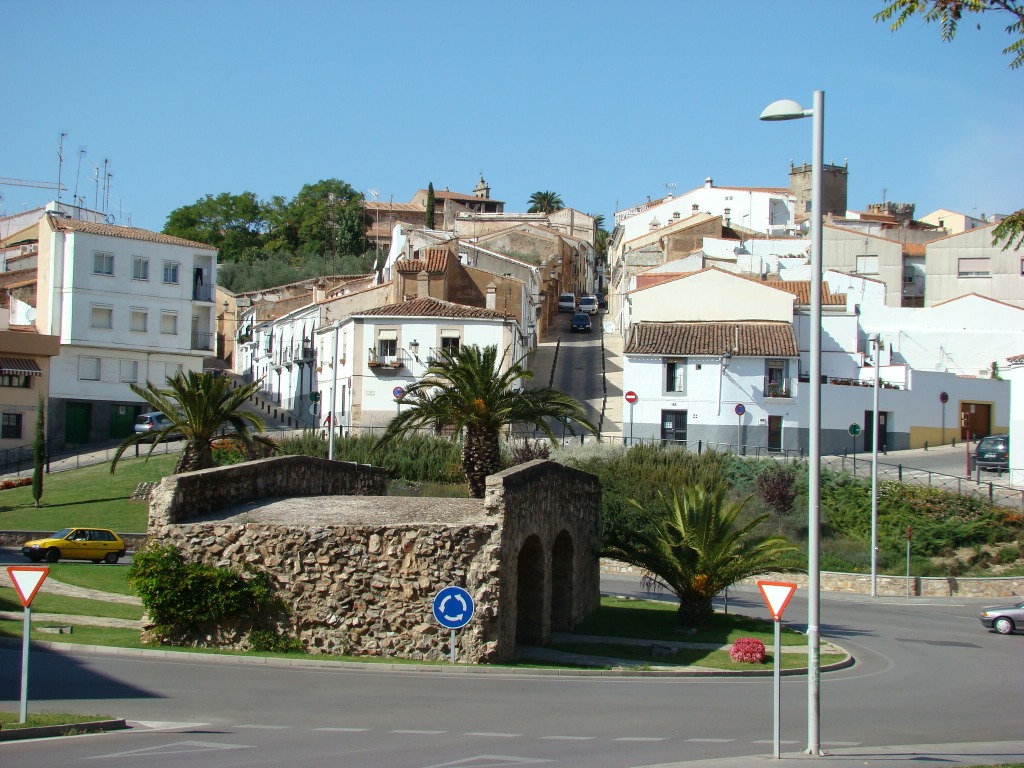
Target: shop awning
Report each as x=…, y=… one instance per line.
x=19, y=366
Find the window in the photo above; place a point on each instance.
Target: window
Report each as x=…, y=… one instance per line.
x=777, y=378
x=15, y=381
x=102, y=317
x=140, y=268
x=908, y=275
x=89, y=368
x=974, y=268
x=139, y=320
x=867, y=265
x=129, y=370
x=387, y=343
x=102, y=263
x=450, y=340
x=171, y=269
x=169, y=323
x=675, y=379
x=11, y=426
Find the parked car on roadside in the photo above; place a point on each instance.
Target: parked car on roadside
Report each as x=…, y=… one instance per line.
x=97, y=544
x=1004, y=620
x=567, y=302
x=993, y=452
x=581, y=322
x=588, y=304
x=152, y=423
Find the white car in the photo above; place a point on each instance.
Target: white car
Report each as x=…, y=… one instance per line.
x=588, y=304
x=567, y=302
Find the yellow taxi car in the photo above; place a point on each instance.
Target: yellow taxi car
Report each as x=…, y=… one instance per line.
x=96, y=544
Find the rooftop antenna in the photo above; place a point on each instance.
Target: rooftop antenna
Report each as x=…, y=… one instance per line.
x=107, y=176
x=78, y=172
x=60, y=162
x=670, y=187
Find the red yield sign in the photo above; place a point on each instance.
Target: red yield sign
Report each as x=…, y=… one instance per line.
x=27, y=581
x=777, y=595
x=631, y=397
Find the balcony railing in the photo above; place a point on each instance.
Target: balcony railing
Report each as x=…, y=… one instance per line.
x=202, y=292
x=384, y=363
x=202, y=340
x=778, y=387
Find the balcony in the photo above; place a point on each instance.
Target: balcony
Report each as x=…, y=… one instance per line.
x=387, y=363
x=778, y=388
x=202, y=292
x=202, y=341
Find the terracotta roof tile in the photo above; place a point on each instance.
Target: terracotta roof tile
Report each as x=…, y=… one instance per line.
x=376, y=205
x=430, y=307
x=914, y=249
x=130, y=233
x=744, y=339
x=434, y=260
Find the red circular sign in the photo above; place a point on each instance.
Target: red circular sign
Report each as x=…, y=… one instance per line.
x=631, y=397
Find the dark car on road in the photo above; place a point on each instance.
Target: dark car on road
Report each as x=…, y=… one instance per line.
x=993, y=452
x=1004, y=620
x=581, y=322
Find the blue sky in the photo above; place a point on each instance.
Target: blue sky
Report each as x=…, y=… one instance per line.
x=605, y=103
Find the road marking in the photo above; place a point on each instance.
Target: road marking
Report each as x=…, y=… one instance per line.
x=257, y=727
x=342, y=730
x=419, y=732
x=713, y=741
x=567, y=738
x=769, y=741
x=167, y=725
x=176, y=748
x=489, y=761
x=639, y=738
x=496, y=735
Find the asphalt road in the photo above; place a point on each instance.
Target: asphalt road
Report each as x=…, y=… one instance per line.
x=926, y=672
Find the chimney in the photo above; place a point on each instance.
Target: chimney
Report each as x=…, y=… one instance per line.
x=492, y=291
x=709, y=183
x=422, y=285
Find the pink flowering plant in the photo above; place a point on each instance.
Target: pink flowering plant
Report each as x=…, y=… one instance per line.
x=748, y=650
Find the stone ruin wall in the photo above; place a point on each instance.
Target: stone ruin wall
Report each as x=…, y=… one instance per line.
x=366, y=588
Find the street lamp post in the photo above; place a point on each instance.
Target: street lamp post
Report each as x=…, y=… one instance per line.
x=876, y=340
x=787, y=109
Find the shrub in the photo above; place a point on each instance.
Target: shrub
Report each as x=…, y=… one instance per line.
x=227, y=452
x=519, y=452
x=747, y=650
x=15, y=483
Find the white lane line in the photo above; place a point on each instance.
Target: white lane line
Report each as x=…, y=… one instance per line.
x=418, y=732
x=495, y=735
x=342, y=730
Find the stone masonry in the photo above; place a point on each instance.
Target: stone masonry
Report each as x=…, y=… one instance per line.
x=358, y=570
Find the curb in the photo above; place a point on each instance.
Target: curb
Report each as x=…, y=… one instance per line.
x=68, y=729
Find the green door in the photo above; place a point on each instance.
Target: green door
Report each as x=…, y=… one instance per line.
x=122, y=420
x=76, y=423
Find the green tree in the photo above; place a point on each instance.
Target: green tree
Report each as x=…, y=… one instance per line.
x=949, y=13
x=1010, y=229
x=325, y=218
x=233, y=224
x=39, y=453
x=431, y=212
x=466, y=390
x=695, y=547
x=201, y=407
x=545, y=202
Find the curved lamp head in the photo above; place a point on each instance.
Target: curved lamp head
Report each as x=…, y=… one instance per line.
x=785, y=109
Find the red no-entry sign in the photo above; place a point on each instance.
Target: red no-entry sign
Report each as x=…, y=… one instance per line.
x=631, y=397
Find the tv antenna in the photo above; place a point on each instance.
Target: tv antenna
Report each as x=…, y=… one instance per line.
x=670, y=187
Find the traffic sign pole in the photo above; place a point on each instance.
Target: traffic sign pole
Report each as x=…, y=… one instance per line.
x=25, y=632
x=27, y=580
x=631, y=398
x=777, y=595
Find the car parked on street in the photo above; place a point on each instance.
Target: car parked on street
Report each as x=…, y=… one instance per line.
x=588, y=304
x=581, y=322
x=97, y=544
x=1004, y=620
x=993, y=452
x=148, y=423
x=567, y=302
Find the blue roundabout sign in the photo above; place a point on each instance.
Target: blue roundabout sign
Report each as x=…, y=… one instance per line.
x=453, y=607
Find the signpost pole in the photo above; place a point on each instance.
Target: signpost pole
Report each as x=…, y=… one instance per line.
x=777, y=595
x=452, y=646
x=776, y=740
x=25, y=632
x=631, y=423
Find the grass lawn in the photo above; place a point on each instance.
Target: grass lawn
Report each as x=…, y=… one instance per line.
x=87, y=496
x=691, y=656
x=9, y=720
x=106, y=578
x=46, y=602
x=653, y=620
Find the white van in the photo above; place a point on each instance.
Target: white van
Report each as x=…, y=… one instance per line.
x=567, y=302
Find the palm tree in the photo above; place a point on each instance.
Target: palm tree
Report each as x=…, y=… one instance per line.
x=545, y=202
x=467, y=391
x=694, y=547
x=198, y=406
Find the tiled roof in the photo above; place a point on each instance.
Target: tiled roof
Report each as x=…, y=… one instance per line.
x=802, y=290
x=376, y=205
x=433, y=260
x=1016, y=359
x=768, y=190
x=430, y=307
x=130, y=233
x=914, y=249
x=744, y=339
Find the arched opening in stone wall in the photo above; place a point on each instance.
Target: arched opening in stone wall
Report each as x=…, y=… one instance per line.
x=562, y=572
x=530, y=593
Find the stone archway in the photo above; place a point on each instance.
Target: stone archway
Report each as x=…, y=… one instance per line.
x=562, y=583
x=530, y=597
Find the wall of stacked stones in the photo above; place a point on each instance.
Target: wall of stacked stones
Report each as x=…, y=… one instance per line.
x=368, y=589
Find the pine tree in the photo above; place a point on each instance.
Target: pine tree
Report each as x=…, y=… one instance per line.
x=39, y=454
